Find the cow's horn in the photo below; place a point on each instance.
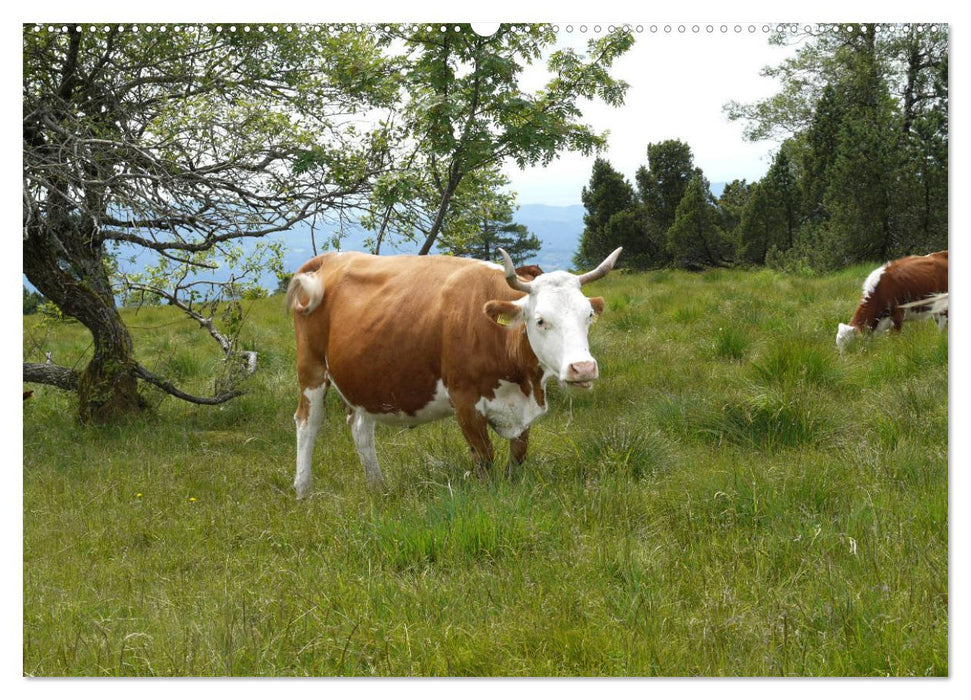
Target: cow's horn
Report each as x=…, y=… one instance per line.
x=601, y=269
x=511, y=279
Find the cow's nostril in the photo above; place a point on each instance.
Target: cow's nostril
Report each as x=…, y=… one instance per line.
x=582, y=371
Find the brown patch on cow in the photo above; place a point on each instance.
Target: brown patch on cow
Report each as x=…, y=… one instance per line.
x=527, y=273
x=598, y=305
x=904, y=280
x=385, y=333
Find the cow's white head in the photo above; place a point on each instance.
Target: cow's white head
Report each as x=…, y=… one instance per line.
x=557, y=317
x=844, y=334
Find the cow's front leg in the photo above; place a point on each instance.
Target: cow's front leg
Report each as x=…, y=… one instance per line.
x=362, y=430
x=517, y=452
x=475, y=428
x=897, y=317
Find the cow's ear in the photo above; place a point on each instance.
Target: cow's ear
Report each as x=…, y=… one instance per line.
x=505, y=313
x=598, y=304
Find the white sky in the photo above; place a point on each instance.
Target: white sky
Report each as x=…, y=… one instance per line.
x=679, y=83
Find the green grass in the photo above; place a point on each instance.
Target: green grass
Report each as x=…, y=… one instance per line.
x=733, y=498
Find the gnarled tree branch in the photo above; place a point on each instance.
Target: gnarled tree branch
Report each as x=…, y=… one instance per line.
x=170, y=388
x=205, y=322
x=52, y=375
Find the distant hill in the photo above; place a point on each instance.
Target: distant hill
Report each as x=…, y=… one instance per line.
x=559, y=229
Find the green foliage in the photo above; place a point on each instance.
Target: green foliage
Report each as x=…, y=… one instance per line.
x=771, y=213
x=644, y=246
x=464, y=112
x=767, y=509
x=481, y=219
x=32, y=300
x=695, y=239
x=607, y=194
x=183, y=140
x=732, y=203
x=663, y=183
x=496, y=231
x=51, y=311
x=859, y=192
x=283, y=282
x=644, y=222
x=865, y=110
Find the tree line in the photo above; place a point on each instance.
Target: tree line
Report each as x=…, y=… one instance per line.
x=861, y=172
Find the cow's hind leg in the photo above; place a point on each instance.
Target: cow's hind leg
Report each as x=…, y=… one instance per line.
x=308, y=419
x=362, y=430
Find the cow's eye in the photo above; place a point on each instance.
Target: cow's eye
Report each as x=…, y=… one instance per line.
x=542, y=323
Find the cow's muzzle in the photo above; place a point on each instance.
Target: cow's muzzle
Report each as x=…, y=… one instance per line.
x=582, y=374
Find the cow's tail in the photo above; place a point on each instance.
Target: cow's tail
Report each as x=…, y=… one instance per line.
x=935, y=303
x=305, y=284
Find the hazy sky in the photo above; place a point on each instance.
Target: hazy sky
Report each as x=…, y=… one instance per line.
x=678, y=85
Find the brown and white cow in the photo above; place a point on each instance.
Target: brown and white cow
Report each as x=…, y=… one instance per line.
x=411, y=339
x=901, y=290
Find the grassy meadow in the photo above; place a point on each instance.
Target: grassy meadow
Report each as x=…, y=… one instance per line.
x=733, y=498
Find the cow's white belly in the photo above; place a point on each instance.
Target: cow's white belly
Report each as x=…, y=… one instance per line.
x=510, y=411
x=440, y=406
x=912, y=315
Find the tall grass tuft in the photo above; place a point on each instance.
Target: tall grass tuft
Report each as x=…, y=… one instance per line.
x=797, y=360
x=632, y=451
x=731, y=343
x=766, y=419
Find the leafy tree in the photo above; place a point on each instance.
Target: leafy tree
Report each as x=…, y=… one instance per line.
x=607, y=194
x=662, y=184
x=731, y=204
x=921, y=79
x=644, y=245
x=859, y=192
x=180, y=142
x=466, y=111
x=481, y=220
x=695, y=240
x=732, y=201
x=819, y=151
x=771, y=215
x=32, y=300
x=865, y=112
x=409, y=219
x=499, y=231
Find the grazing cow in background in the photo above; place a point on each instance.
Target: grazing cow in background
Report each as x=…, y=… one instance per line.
x=900, y=290
x=406, y=340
